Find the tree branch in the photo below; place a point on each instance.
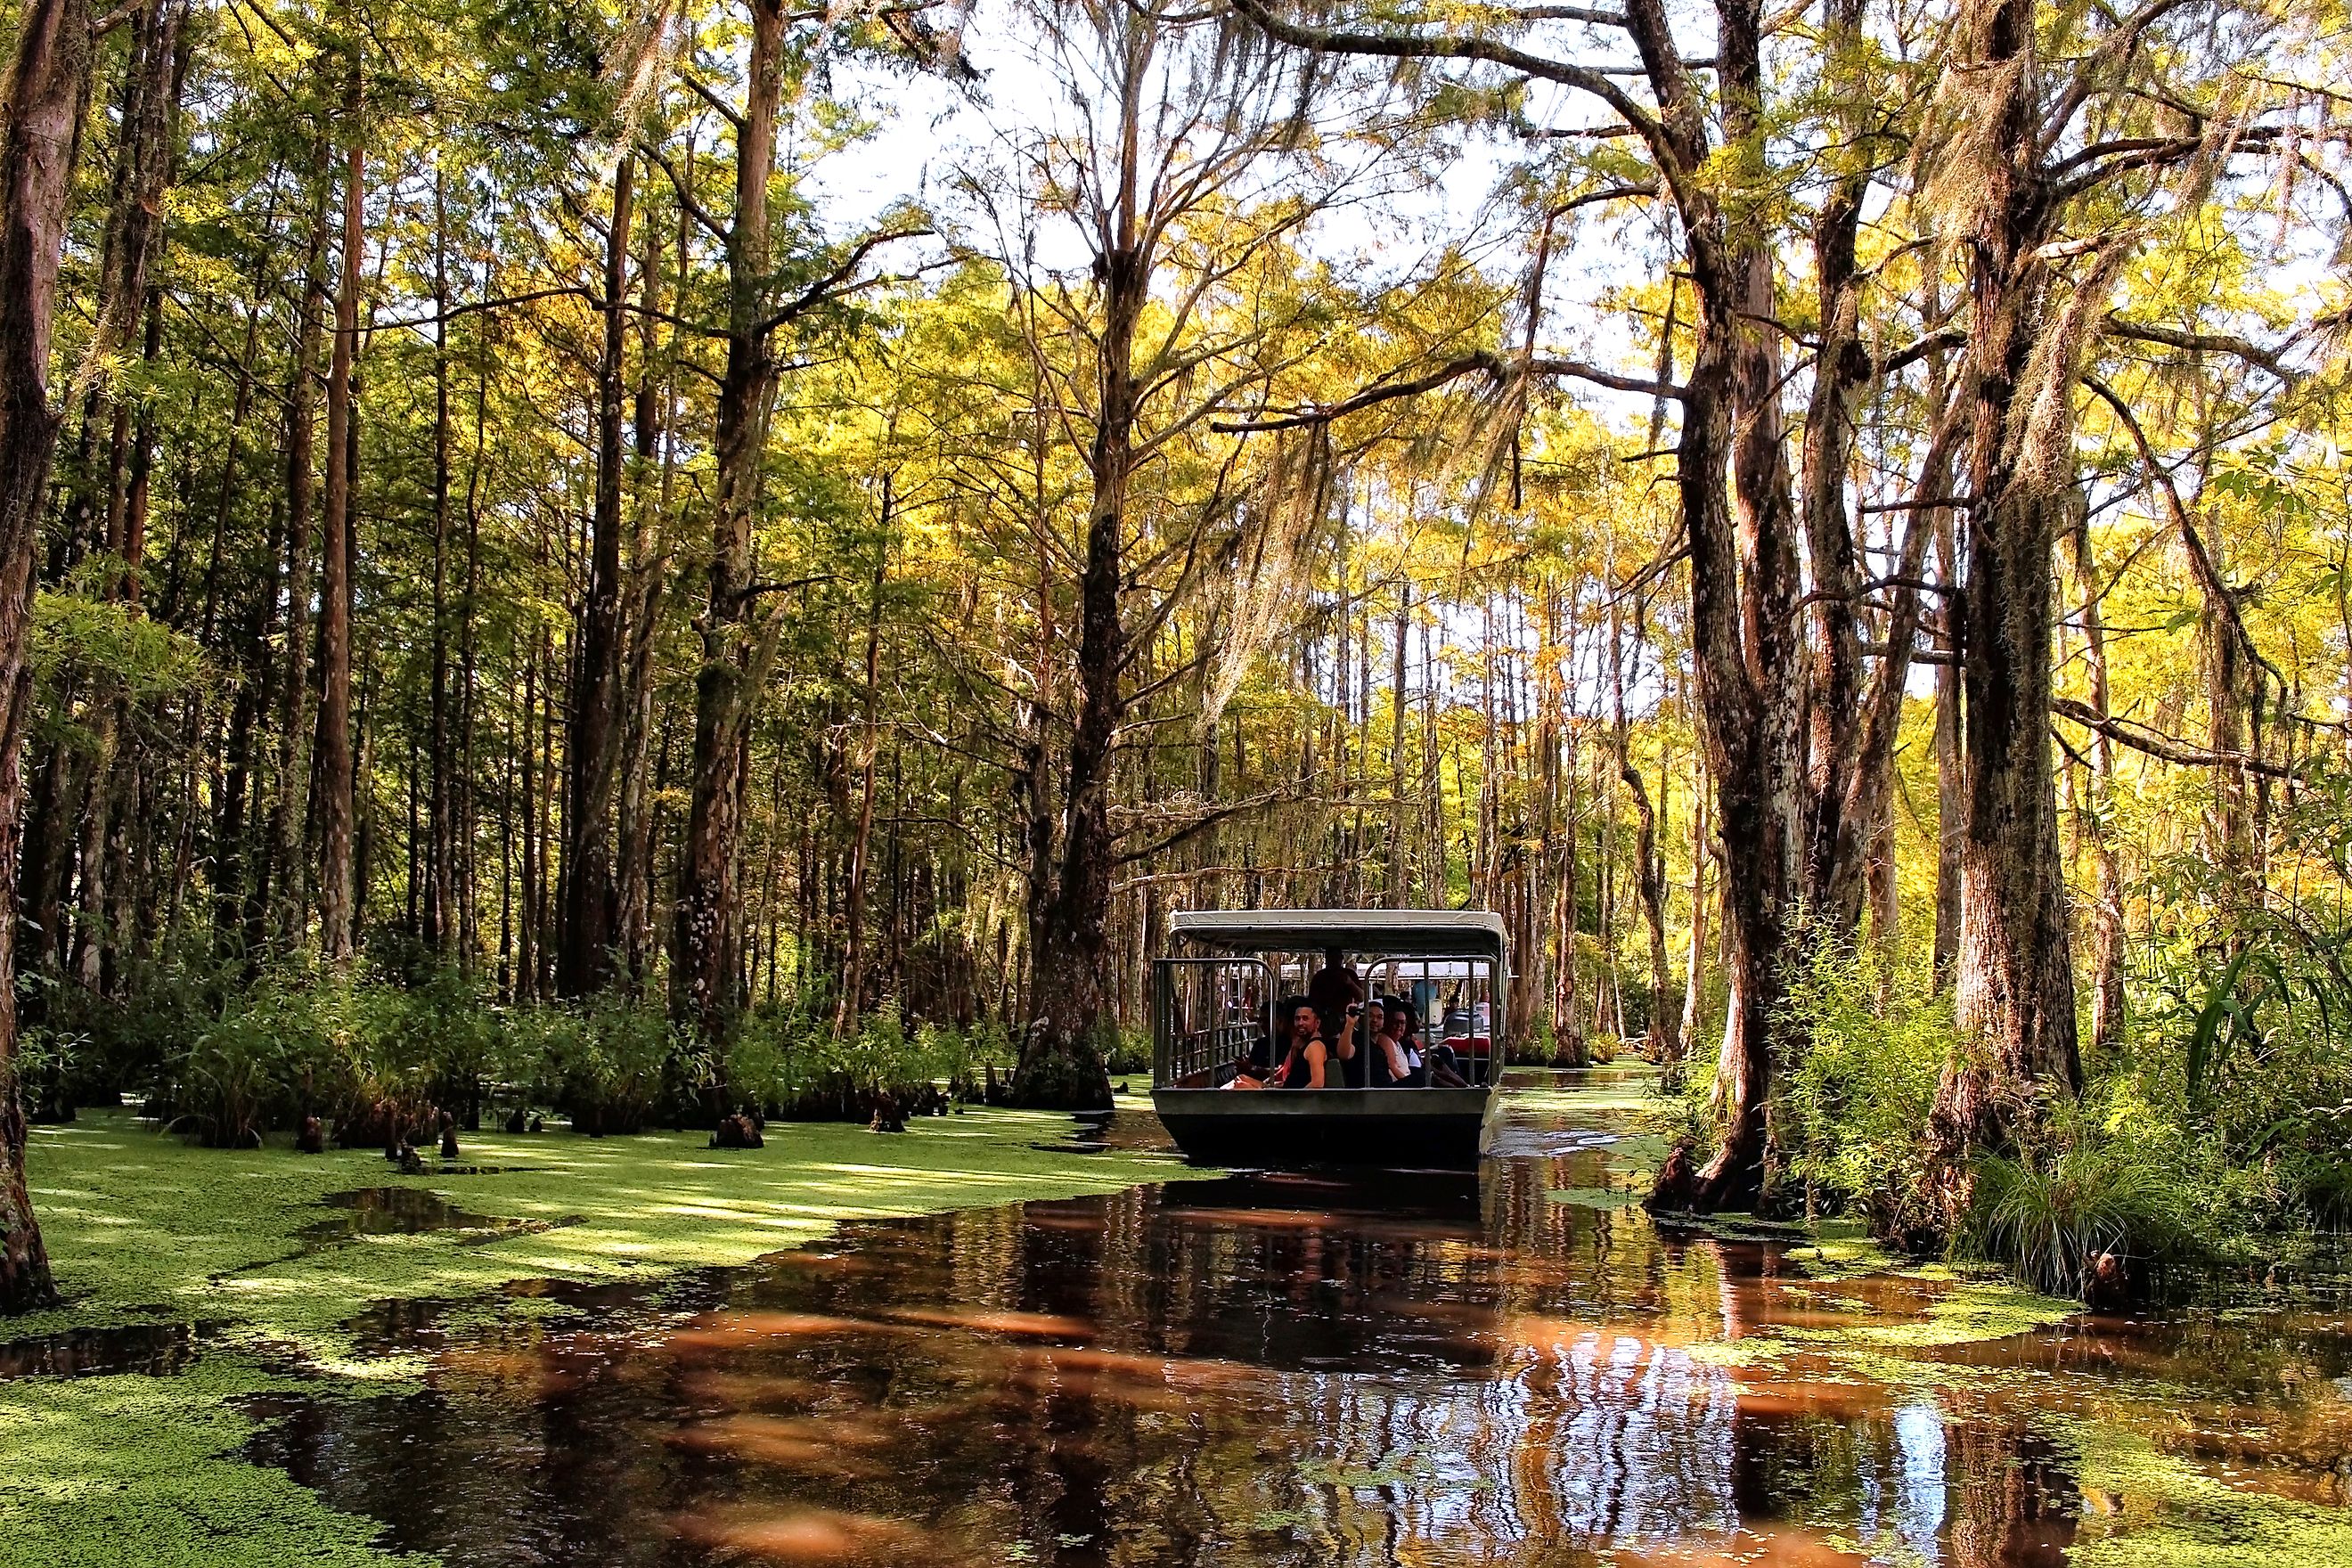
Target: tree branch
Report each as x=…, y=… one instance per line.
x=2140, y=738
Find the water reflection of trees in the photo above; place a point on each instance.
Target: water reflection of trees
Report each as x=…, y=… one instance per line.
x=1256, y=1370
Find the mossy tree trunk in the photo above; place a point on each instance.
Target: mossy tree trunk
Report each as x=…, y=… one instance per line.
x=48, y=92
x=2015, y=979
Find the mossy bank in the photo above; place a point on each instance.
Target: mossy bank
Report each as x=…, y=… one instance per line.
x=142, y=1229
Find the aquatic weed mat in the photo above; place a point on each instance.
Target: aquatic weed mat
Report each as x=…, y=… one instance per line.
x=144, y=1228
x=96, y=1473
x=141, y=1226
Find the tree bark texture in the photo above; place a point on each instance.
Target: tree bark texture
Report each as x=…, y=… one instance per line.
x=338, y=892
x=2015, y=982
x=41, y=137
x=705, y=972
x=592, y=896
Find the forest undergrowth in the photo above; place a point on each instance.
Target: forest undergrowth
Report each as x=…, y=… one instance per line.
x=2207, y=1144
x=385, y=1053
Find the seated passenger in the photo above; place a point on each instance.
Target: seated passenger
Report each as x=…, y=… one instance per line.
x=1389, y=1066
x=1254, y=1065
x=1304, y=1053
x=1336, y=992
x=1396, y=1062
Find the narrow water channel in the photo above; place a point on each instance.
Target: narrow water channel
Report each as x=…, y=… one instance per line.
x=1280, y=1370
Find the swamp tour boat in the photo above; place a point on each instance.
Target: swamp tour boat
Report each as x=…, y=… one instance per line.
x=1214, y=1024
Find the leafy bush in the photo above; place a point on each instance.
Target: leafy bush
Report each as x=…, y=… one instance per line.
x=792, y=1063
x=232, y=1082
x=49, y=1061
x=1130, y=1052
x=1858, y=1062
x=606, y=1063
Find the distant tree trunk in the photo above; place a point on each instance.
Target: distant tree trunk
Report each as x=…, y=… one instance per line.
x=41, y=137
x=706, y=970
x=847, y=1005
x=338, y=781
x=149, y=135
x=2015, y=994
x=288, y=824
x=1695, y=964
x=1951, y=801
x=1400, y=822
x=1557, y=838
x=2107, y=912
x=592, y=898
x=1650, y=871
x=440, y=924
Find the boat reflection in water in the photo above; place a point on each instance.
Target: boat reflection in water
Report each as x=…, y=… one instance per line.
x=1398, y=1368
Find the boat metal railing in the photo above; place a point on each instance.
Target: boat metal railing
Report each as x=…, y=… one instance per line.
x=1206, y=1014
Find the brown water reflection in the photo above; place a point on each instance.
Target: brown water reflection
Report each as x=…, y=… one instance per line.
x=1280, y=1370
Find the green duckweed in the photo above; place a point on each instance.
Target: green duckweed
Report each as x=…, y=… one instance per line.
x=103, y=1471
x=142, y=1228
x=2149, y=1510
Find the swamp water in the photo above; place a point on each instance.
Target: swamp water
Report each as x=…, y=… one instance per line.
x=1512, y=1368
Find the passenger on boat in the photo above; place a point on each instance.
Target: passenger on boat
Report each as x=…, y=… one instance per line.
x=1395, y=1062
x=1255, y=1066
x=1336, y=992
x=1304, y=1056
x=1390, y=1063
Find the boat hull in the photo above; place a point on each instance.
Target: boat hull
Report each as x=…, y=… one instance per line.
x=1413, y=1128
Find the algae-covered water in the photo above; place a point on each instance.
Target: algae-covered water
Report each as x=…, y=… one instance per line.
x=1403, y=1369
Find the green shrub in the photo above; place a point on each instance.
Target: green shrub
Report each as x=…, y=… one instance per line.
x=1858, y=1058
x=607, y=1062
x=790, y=1062
x=2052, y=1218
x=232, y=1082
x=49, y=1061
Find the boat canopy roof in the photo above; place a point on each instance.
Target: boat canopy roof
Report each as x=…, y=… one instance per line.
x=1393, y=932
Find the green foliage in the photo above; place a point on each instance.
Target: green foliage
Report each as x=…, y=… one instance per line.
x=78, y=630
x=787, y=1059
x=607, y=1062
x=2053, y=1216
x=1860, y=1051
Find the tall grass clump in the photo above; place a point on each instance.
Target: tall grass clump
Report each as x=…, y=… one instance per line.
x=2085, y=1216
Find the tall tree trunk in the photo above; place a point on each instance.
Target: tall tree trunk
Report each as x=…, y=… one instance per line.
x=2015, y=993
x=143, y=167
x=440, y=888
x=41, y=137
x=736, y=645
x=1399, y=821
x=1062, y=1051
x=1744, y=599
x=337, y=782
x=592, y=899
x=847, y=1005
x=1650, y=871
x=289, y=824
x=633, y=856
